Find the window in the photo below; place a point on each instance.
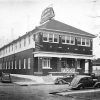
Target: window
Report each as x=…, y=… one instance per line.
x=67, y=39
x=24, y=42
x=19, y=64
x=12, y=47
x=9, y=65
x=46, y=63
x=12, y=64
x=50, y=37
x=9, y=48
x=56, y=38
x=29, y=39
x=83, y=41
x=45, y=37
x=87, y=42
x=29, y=63
x=19, y=43
x=16, y=46
x=72, y=40
x=15, y=65
x=63, y=38
x=6, y=65
x=78, y=40
x=24, y=63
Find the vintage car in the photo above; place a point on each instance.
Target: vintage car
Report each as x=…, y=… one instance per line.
x=84, y=81
x=6, y=78
x=64, y=80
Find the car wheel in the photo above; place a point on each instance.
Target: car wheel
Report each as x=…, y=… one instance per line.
x=98, y=86
x=81, y=87
x=60, y=82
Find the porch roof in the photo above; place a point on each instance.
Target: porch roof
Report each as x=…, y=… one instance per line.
x=62, y=55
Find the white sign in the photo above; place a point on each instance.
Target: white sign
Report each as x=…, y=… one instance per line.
x=47, y=14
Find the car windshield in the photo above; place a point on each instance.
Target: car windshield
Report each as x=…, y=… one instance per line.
x=75, y=81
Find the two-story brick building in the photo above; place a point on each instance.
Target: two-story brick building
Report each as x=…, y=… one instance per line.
x=51, y=47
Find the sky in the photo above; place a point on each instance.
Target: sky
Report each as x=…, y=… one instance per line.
x=20, y=16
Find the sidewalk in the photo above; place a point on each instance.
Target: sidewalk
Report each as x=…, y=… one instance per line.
x=31, y=79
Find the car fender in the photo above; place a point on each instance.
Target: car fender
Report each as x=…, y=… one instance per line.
x=96, y=84
x=77, y=86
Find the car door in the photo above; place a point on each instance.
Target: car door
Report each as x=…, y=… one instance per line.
x=83, y=81
x=89, y=82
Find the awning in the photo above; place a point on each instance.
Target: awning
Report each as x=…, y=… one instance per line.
x=62, y=55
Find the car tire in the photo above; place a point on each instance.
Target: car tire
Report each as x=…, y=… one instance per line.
x=60, y=82
x=98, y=86
x=81, y=87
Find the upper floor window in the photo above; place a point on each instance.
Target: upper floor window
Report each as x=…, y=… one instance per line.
x=19, y=43
x=72, y=40
x=24, y=42
x=45, y=37
x=82, y=41
x=50, y=37
x=78, y=40
x=68, y=39
x=56, y=38
x=87, y=42
x=29, y=39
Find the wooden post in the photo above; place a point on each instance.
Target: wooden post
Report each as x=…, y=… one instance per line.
x=90, y=66
x=59, y=65
x=40, y=64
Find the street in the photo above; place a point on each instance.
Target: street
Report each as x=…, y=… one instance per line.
x=10, y=91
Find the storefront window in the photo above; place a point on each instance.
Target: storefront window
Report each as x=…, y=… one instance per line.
x=46, y=63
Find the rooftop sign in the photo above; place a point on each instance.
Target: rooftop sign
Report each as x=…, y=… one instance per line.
x=47, y=14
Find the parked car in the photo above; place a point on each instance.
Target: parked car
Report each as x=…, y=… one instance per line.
x=6, y=78
x=64, y=79
x=84, y=81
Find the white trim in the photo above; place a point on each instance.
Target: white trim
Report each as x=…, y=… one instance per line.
x=93, y=36
x=62, y=55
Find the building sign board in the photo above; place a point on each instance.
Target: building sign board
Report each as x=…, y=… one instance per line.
x=47, y=14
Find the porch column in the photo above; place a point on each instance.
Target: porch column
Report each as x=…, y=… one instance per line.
x=75, y=65
x=59, y=65
x=82, y=65
x=40, y=64
x=90, y=66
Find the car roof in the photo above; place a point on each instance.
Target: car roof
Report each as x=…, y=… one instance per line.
x=82, y=76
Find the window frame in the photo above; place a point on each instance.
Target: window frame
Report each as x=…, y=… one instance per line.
x=24, y=64
x=85, y=41
x=47, y=60
x=19, y=64
x=29, y=63
x=48, y=37
x=70, y=39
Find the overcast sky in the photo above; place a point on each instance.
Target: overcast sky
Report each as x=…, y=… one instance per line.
x=19, y=16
